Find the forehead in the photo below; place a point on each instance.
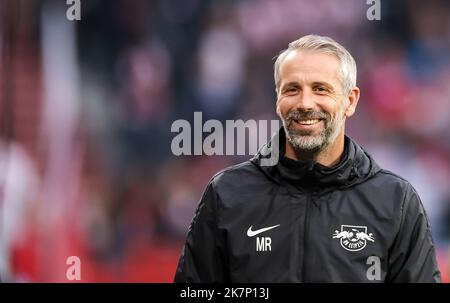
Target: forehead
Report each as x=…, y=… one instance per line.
x=310, y=66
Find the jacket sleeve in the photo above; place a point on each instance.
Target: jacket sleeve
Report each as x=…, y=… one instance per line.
x=412, y=257
x=203, y=258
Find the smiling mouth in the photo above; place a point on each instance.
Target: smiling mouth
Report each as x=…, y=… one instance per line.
x=307, y=122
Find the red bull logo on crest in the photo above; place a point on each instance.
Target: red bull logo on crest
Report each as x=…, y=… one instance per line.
x=352, y=237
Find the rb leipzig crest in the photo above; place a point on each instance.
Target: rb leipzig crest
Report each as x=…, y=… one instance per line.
x=353, y=238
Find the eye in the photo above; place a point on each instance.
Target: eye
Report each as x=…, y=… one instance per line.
x=291, y=90
x=321, y=90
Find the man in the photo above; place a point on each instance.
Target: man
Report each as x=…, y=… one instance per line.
x=326, y=212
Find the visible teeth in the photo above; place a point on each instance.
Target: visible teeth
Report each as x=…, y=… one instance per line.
x=309, y=122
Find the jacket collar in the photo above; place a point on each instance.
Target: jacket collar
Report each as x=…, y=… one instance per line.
x=355, y=166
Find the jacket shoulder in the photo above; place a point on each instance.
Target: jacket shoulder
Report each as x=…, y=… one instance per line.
x=239, y=173
x=388, y=177
x=391, y=187
x=239, y=181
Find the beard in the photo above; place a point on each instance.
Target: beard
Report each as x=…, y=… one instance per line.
x=304, y=140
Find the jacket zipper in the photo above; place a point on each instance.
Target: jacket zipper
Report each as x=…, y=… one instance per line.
x=305, y=237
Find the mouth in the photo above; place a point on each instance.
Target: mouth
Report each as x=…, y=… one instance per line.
x=307, y=126
x=307, y=122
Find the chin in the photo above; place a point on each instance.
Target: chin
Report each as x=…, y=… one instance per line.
x=308, y=143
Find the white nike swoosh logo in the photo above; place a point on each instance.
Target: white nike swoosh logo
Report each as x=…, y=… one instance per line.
x=252, y=233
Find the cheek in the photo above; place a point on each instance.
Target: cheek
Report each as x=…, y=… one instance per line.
x=334, y=106
x=282, y=108
x=334, y=98
x=284, y=105
x=279, y=112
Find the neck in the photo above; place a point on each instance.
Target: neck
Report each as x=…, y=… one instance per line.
x=329, y=156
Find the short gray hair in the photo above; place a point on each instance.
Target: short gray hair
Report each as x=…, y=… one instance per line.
x=347, y=66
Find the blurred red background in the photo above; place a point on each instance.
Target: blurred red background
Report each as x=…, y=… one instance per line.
x=86, y=107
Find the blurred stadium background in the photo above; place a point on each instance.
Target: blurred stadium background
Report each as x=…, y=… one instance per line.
x=86, y=108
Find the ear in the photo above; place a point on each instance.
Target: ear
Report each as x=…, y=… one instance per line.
x=353, y=99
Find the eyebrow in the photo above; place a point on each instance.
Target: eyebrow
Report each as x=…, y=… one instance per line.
x=290, y=84
x=315, y=83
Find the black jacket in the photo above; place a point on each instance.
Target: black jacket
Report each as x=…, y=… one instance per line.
x=299, y=221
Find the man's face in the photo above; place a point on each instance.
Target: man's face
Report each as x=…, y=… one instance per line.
x=311, y=102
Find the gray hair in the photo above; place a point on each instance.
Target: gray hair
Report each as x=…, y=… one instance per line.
x=347, y=66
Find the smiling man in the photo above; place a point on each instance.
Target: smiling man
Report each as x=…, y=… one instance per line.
x=326, y=212
x=315, y=95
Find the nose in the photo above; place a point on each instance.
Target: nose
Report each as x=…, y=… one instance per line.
x=305, y=101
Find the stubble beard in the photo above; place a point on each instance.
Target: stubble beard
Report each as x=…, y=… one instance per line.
x=305, y=141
